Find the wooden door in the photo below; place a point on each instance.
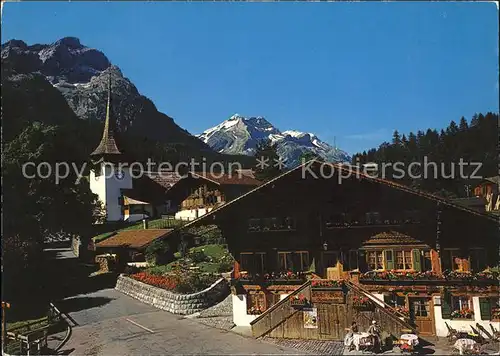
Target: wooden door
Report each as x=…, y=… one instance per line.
x=332, y=321
x=421, y=311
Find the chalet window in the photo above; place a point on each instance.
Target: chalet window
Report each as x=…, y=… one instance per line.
x=477, y=259
x=296, y=261
x=461, y=307
x=395, y=300
x=271, y=224
x=427, y=262
x=403, y=260
x=449, y=259
x=253, y=262
x=352, y=262
x=372, y=218
x=254, y=225
x=375, y=260
x=304, y=260
x=256, y=302
x=245, y=261
x=420, y=307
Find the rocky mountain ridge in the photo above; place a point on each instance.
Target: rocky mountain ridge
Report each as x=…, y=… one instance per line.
x=240, y=135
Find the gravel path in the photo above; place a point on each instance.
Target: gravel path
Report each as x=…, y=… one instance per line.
x=314, y=347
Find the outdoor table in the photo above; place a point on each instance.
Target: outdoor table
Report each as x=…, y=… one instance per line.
x=358, y=339
x=410, y=339
x=463, y=344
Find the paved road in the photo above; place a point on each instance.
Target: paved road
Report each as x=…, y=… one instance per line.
x=111, y=323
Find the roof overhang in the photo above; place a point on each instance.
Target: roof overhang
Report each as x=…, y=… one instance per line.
x=346, y=169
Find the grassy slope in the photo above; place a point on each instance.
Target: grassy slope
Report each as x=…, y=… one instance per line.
x=153, y=224
x=213, y=252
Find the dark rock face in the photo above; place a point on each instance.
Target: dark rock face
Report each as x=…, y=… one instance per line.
x=65, y=60
x=81, y=75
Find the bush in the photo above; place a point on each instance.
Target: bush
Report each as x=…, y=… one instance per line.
x=158, y=252
x=226, y=264
x=131, y=270
x=197, y=256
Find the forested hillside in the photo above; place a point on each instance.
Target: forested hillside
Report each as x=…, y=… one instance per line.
x=473, y=141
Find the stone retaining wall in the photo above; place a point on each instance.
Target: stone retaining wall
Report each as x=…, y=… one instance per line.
x=184, y=304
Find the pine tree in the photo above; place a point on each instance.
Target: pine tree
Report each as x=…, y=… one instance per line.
x=266, y=156
x=463, y=126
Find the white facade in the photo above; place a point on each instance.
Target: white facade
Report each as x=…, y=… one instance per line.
x=191, y=214
x=107, y=185
x=240, y=316
x=462, y=324
x=134, y=217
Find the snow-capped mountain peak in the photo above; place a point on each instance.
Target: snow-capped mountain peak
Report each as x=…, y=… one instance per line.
x=240, y=135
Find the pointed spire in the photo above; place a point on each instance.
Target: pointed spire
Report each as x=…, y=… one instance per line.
x=108, y=146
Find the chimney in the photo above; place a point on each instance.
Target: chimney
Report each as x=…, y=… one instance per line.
x=145, y=223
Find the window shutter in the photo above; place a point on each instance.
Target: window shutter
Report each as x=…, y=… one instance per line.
x=389, y=259
x=417, y=266
x=445, y=306
x=485, y=308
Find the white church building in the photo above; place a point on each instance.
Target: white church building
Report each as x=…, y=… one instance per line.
x=124, y=197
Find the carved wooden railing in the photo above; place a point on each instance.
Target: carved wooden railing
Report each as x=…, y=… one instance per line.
x=402, y=320
x=279, y=312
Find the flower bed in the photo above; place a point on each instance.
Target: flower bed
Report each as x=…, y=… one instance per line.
x=181, y=283
x=255, y=310
x=327, y=283
x=393, y=275
x=287, y=277
x=362, y=303
x=402, y=310
x=299, y=300
x=495, y=313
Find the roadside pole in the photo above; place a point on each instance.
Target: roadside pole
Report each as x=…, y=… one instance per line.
x=5, y=306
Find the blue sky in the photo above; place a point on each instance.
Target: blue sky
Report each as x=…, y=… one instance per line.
x=354, y=71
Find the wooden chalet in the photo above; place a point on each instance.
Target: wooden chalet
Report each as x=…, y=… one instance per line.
x=200, y=192
x=489, y=189
x=337, y=244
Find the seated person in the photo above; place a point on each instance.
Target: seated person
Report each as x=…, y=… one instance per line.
x=349, y=338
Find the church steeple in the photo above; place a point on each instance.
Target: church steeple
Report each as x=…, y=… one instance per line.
x=107, y=148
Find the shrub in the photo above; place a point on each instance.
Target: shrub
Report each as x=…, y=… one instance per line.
x=197, y=256
x=131, y=270
x=226, y=264
x=158, y=252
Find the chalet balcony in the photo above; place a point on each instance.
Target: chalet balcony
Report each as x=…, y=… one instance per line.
x=429, y=278
x=274, y=278
x=340, y=224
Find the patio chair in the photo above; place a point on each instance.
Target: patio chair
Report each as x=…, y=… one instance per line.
x=452, y=333
x=496, y=333
x=485, y=332
x=480, y=339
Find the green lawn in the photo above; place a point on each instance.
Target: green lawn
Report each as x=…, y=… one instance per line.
x=152, y=224
x=214, y=254
x=214, y=251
